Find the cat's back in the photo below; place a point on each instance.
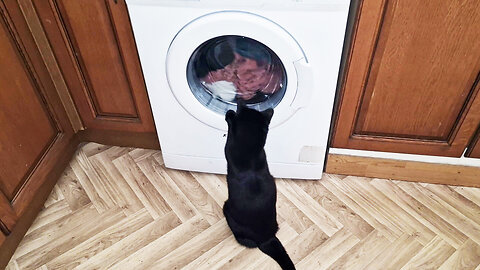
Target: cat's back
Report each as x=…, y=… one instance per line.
x=253, y=187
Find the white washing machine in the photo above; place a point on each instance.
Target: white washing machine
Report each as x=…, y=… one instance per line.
x=200, y=58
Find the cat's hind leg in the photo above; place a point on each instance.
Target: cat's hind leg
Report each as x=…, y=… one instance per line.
x=246, y=242
x=237, y=229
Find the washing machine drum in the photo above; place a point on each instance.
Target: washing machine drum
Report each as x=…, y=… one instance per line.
x=230, y=69
x=224, y=58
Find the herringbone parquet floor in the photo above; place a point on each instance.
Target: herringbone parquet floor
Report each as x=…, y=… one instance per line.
x=120, y=208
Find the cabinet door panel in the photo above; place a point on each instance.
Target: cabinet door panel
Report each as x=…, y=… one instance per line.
x=27, y=129
x=411, y=84
x=94, y=45
x=91, y=31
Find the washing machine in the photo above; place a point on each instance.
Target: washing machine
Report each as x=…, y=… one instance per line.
x=201, y=58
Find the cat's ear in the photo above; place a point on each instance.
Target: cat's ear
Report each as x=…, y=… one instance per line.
x=267, y=115
x=230, y=117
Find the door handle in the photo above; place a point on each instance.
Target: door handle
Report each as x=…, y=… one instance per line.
x=305, y=84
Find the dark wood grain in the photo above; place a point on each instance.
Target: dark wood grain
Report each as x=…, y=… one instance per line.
x=32, y=200
x=19, y=210
x=32, y=116
x=27, y=128
x=94, y=40
x=8, y=217
x=2, y=238
x=473, y=150
x=147, y=140
x=51, y=64
x=411, y=84
x=95, y=49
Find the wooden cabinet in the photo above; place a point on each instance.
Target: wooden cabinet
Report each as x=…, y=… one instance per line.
x=59, y=60
x=95, y=49
x=411, y=84
x=36, y=138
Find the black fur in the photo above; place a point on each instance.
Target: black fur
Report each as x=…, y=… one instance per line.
x=250, y=209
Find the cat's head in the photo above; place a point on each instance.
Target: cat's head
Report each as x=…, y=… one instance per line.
x=248, y=128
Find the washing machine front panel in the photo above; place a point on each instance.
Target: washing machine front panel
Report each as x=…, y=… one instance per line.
x=296, y=147
x=271, y=52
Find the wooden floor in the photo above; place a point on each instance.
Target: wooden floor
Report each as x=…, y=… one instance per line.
x=120, y=208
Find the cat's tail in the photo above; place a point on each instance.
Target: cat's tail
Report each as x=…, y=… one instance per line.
x=274, y=248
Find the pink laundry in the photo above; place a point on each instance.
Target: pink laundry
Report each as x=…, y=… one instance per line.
x=248, y=76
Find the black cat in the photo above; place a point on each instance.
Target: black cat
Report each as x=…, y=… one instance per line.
x=250, y=208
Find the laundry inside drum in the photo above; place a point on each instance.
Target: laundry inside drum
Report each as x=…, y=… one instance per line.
x=230, y=69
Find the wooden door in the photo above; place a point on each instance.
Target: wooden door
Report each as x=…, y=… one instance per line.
x=94, y=46
x=36, y=137
x=411, y=84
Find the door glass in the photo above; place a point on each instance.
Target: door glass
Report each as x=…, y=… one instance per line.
x=228, y=69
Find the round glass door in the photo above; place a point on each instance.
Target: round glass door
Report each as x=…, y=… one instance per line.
x=229, y=69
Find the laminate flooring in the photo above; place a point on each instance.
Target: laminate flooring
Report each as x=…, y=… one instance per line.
x=120, y=208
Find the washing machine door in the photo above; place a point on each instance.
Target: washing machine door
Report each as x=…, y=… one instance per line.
x=223, y=58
